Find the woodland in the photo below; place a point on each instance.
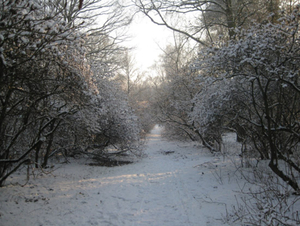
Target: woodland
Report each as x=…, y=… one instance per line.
x=69, y=86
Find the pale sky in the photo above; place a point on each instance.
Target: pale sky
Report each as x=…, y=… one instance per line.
x=147, y=38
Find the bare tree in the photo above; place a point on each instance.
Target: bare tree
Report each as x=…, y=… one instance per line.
x=206, y=20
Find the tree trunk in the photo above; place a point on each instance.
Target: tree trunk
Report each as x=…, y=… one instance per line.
x=278, y=172
x=37, y=152
x=12, y=171
x=48, y=149
x=230, y=20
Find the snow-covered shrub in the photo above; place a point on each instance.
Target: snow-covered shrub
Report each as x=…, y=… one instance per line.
x=118, y=122
x=47, y=85
x=41, y=79
x=210, y=107
x=262, y=65
x=105, y=121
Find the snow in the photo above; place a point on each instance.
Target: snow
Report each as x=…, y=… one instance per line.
x=175, y=184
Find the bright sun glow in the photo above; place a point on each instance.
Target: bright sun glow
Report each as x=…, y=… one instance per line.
x=147, y=41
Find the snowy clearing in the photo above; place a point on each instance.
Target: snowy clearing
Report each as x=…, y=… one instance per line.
x=176, y=184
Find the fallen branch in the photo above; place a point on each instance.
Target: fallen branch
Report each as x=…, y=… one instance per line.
x=13, y=170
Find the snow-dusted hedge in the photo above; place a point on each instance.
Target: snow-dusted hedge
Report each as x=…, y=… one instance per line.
x=50, y=99
x=256, y=87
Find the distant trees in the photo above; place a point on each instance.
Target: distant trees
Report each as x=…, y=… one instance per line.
x=174, y=90
x=205, y=21
x=53, y=96
x=138, y=88
x=177, y=93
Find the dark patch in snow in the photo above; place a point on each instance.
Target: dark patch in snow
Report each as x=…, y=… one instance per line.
x=168, y=152
x=110, y=163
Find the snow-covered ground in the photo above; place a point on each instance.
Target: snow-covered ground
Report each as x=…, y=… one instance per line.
x=176, y=184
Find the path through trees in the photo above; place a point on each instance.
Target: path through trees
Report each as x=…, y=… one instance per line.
x=174, y=185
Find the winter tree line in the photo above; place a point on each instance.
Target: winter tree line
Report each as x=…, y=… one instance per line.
x=241, y=74
x=68, y=86
x=67, y=82
x=235, y=67
x=61, y=64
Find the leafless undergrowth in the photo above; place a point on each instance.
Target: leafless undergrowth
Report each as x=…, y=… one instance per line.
x=263, y=198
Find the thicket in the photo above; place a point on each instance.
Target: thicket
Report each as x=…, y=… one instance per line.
x=240, y=75
x=57, y=95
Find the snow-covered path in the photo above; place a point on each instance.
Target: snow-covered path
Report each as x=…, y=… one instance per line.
x=180, y=188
